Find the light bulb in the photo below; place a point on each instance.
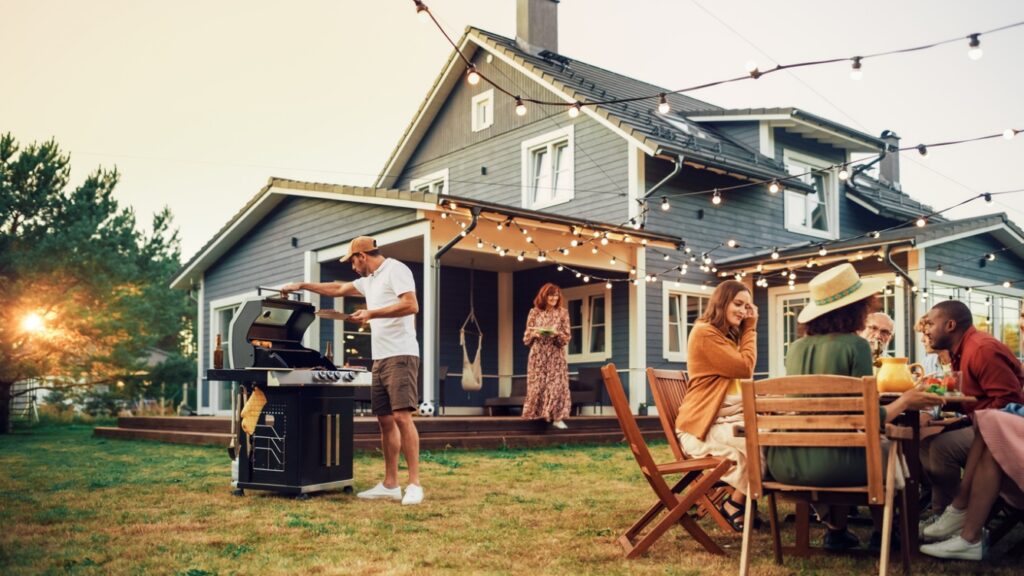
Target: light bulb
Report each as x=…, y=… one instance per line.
x=775, y=253
x=665, y=257
x=774, y=187
x=586, y=278
x=542, y=257
x=991, y=256
x=921, y=222
x=565, y=251
x=988, y=197
x=751, y=68
x=974, y=51
x=560, y=267
x=856, y=72
x=636, y=224
x=613, y=261
x=922, y=150
x=716, y=199
x=574, y=110
x=521, y=257
x=608, y=285
x=479, y=243
x=574, y=243
x=664, y=203
x=520, y=107
x=604, y=241
x=731, y=243
x=843, y=173
x=422, y=12
x=593, y=250
x=663, y=106
x=939, y=272
x=876, y=234
x=823, y=251
x=472, y=76
x=1006, y=284
x=1009, y=133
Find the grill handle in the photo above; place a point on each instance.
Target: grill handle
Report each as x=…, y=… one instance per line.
x=260, y=289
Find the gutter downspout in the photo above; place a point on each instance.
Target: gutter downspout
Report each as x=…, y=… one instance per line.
x=908, y=294
x=475, y=211
x=675, y=170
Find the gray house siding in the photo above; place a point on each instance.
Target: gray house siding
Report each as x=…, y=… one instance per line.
x=746, y=133
x=600, y=158
x=963, y=258
x=265, y=256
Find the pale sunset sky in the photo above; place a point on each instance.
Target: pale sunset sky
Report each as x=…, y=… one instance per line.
x=198, y=103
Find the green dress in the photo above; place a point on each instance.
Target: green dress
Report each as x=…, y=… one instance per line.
x=837, y=354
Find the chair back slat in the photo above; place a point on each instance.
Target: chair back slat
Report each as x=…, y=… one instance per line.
x=669, y=389
x=633, y=436
x=801, y=411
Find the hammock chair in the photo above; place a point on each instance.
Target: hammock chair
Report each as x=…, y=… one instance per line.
x=472, y=375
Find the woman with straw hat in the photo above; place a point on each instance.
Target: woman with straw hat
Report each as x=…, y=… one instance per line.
x=840, y=303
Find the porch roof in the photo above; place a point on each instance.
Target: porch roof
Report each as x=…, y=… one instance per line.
x=899, y=239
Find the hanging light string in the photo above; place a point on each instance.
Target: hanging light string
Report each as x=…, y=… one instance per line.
x=753, y=73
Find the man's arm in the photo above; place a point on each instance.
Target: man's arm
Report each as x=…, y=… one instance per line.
x=406, y=305
x=332, y=289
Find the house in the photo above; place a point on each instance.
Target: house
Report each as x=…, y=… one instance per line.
x=486, y=204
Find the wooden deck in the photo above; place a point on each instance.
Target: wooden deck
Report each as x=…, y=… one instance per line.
x=436, y=433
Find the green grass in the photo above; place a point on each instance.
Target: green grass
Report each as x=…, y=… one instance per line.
x=74, y=504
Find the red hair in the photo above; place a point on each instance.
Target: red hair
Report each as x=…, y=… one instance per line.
x=541, y=300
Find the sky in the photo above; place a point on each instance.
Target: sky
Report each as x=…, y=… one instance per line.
x=198, y=102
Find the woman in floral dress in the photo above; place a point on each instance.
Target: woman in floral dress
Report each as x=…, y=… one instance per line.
x=547, y=375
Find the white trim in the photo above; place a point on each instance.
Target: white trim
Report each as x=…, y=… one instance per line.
x=638, y=335
x=214, y=306
x=431, y=179
x=409, y=231
x=585, y=293
x=429, y=346
x=961, y=282
x=636, y=180
x=778, y=117
x=506, y=334
x=200, y=351
x=344, y=197
x=789, y=120
x=668, y=289
x=860, y=202
x=776, y=364
x=967, y=234
x=831, y=196
x=527, y=148
x=766, y=138
x=311, y=273
x=487, y=96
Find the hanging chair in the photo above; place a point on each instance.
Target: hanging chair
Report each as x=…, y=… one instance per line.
x=472, y=375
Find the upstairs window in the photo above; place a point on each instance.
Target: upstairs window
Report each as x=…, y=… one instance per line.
x=815, y=213
x=482, y=109
x=436, y=183
x=548, y=169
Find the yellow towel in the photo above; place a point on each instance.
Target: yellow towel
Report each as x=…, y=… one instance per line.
x=252, y=409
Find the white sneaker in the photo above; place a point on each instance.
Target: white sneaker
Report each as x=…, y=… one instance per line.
x=413, y=495
x=949, y=523
x=956, y=548
x=380, y=492
x=560, y=425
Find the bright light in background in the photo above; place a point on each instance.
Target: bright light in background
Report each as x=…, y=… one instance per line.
x=32, y=322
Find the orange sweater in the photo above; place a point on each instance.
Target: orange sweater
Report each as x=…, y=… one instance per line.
x=713, y=361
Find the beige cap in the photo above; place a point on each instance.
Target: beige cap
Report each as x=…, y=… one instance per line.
x=835, y=288
x=359, y=245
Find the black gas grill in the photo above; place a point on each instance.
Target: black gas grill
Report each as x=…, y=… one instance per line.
x=303, y=437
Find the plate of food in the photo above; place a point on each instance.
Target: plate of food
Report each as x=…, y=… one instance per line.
x=545, y=330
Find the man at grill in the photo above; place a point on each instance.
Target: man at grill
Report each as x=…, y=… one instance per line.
x=391, y=306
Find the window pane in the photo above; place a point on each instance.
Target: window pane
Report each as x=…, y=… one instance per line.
x=597, y=339
x=576, y=326
x=576, y=344
x=597, y=310
x=817, y=204
x=541, y=175
x=674, y=326
x=1009, y=331
x=560, y=182
x=796, y=209
x=791, y=308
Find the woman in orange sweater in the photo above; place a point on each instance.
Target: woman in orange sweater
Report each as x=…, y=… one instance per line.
x=722, y=350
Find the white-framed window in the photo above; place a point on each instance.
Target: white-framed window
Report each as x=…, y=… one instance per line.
x=216, y=399
x=436, y=183
x=1008, y=322
x=815, y=213
x=351, y=341
x=482, y=109
x=548, y=169
x=681, y=306
x=590, y=323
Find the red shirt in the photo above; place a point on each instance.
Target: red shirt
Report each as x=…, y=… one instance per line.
x=991, y=373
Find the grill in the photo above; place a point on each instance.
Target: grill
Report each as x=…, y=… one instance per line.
x=302, y=440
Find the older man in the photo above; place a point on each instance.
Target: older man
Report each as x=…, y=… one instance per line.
x=878, y=330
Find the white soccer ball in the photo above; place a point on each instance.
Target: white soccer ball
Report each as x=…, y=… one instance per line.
x=426, y=409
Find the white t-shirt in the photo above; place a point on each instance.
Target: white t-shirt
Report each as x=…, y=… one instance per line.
x=389, y=336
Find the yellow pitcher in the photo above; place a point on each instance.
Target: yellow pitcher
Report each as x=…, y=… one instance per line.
x=896, y=376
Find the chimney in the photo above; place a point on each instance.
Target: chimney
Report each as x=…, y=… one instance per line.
x=889, y=167
x=537, y=25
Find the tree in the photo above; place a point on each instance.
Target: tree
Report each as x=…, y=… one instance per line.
x=83, y=293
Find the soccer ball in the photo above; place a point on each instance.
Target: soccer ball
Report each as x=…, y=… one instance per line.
x=426, y=409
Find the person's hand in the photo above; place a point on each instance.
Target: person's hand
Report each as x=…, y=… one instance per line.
x=752, y=315
x=360, y=316
x=917, y=398
x=293, y=287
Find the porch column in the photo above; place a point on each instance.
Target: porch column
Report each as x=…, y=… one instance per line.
x=311, y=274
x=201, y=324
x=506, y=337
x=430, y=308
x=638, y=335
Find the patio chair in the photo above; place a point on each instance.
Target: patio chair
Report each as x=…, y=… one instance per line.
x=669, y=388
x=827, y=411
x=698, y=477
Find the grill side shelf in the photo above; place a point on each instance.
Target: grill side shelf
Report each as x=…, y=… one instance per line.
x=257, y=376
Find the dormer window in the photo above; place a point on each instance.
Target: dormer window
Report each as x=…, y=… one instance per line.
x=436, y=183
x=814, y=213
x=548, y=169
x=483, y=110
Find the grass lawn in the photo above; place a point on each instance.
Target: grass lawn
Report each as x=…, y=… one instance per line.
x=71, y=503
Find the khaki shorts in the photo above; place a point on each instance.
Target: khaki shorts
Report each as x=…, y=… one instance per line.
x=394, y=384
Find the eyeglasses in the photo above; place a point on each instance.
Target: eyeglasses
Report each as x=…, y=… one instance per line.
x=880, y=331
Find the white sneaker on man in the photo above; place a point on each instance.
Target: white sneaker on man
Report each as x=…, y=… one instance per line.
x=413, y=495
x=560, y=425
x=956, y=548
x=380, y=492
x=949, y=523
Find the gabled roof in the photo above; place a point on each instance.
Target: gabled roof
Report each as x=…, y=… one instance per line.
x=885, y=201
x=999, y=225
x=569, y=81
x=799, y=122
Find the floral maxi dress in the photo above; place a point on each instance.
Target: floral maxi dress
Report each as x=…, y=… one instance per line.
x=547, y=375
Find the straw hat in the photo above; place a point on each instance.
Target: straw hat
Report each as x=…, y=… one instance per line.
x=838, y=287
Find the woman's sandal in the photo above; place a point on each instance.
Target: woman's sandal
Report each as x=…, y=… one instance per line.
x=735, y=519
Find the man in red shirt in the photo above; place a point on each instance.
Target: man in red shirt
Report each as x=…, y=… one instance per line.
x=992, y=374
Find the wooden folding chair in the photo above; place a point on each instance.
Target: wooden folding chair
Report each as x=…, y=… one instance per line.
x=699, y=476
x=669, y=389
x=809, y=411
